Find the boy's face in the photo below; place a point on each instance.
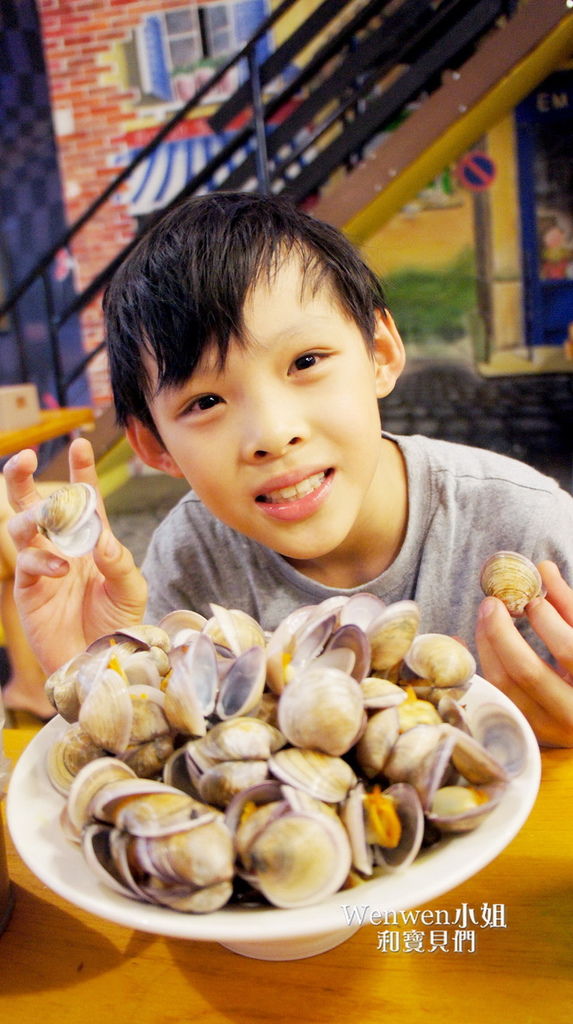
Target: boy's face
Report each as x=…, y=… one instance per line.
x=284, y=443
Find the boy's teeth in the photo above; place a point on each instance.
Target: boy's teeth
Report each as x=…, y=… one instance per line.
x=297, y=490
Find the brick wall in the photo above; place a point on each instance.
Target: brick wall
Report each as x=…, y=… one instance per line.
x=92, y=110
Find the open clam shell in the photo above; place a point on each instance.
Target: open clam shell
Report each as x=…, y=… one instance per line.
x=88, y=782
x=498, y=733
x=300, y=854
x=370, y=848
x=192, y=686
x=242, y=686
x=351, y=643
x=296, y=642
x=181, y=625
x=460, y=808
x=234, y=629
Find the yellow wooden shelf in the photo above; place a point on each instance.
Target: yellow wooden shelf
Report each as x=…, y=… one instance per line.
x=52, y=423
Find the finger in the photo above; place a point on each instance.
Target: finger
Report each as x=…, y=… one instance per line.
x=35, y=562
x=519, y=663
x=555, y=632
x=549, y=730
x=19, y=475
x=493, y=668
x=23, y=528
x=83, y=470
x=82, y=461
x=558, y=592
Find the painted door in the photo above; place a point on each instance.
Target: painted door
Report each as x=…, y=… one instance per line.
x=545, y=152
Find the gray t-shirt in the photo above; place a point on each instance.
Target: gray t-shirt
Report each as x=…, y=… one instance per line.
x=464, y=504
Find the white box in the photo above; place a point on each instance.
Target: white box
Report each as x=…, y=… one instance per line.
x=19, y=406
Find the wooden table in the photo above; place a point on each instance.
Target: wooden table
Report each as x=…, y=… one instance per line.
x=52, y=423
x=59, y=965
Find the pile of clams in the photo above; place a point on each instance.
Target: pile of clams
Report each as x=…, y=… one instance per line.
x=206, y=761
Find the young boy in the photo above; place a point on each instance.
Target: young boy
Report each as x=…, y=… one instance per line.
x=249, y=346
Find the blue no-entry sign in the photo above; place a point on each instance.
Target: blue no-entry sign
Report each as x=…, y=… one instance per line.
x=476, y=171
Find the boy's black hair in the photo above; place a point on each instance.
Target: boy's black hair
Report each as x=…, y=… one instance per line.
x=183, y=287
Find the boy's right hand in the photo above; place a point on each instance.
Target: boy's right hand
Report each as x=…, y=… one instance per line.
x=65, y=604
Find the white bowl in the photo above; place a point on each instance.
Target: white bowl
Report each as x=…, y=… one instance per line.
x=33, y=809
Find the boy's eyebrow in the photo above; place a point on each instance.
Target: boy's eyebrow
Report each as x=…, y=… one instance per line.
x=211, y=363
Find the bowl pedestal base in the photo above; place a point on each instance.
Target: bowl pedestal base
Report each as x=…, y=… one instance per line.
x=292, y=949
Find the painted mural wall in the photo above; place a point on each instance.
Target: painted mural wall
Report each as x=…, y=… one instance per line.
x=118, y=69
x=480, y=265
x=450, y=260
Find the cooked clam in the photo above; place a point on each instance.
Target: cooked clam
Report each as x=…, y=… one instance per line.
x=441, y=660
x=391, y=634
x=298, y=854
x=149, y=758
x=181, y=856
x=234, y=629
x=282, y=761
x=297, y=641
x=513, y=579
x=88, y=782
x=322, y=776
x=461, y=808
x=243, y=738
x=377, y=741
x=61, y=688
x=181, y=625
x=322, y=708
x=192, y=686
x=243, y=683
x=69, y=754
x=69, y=518
x=107, y=712
x=224, y=779
x=497, y=732
x=386, y=827
x=379, y=693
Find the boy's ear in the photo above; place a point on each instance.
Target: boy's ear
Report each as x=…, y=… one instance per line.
x=389, y=353
x=150, y=449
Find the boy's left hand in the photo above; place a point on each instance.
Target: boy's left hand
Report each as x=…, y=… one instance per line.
x=544, y=694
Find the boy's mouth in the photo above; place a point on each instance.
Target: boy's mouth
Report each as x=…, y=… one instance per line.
x=294, y=491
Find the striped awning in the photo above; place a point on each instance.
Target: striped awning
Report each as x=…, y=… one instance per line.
x=163, y=174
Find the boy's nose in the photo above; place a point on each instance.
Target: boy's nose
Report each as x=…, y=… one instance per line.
x=270, y=429
x=275, y=451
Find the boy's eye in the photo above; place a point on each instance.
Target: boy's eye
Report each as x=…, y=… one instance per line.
x=203, y=403
x=306, y=361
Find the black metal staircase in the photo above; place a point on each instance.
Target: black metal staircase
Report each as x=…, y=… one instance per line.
x=300, y=120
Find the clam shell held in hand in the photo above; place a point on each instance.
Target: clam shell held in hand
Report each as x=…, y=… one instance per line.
x=513, y=579
x=70, y=520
